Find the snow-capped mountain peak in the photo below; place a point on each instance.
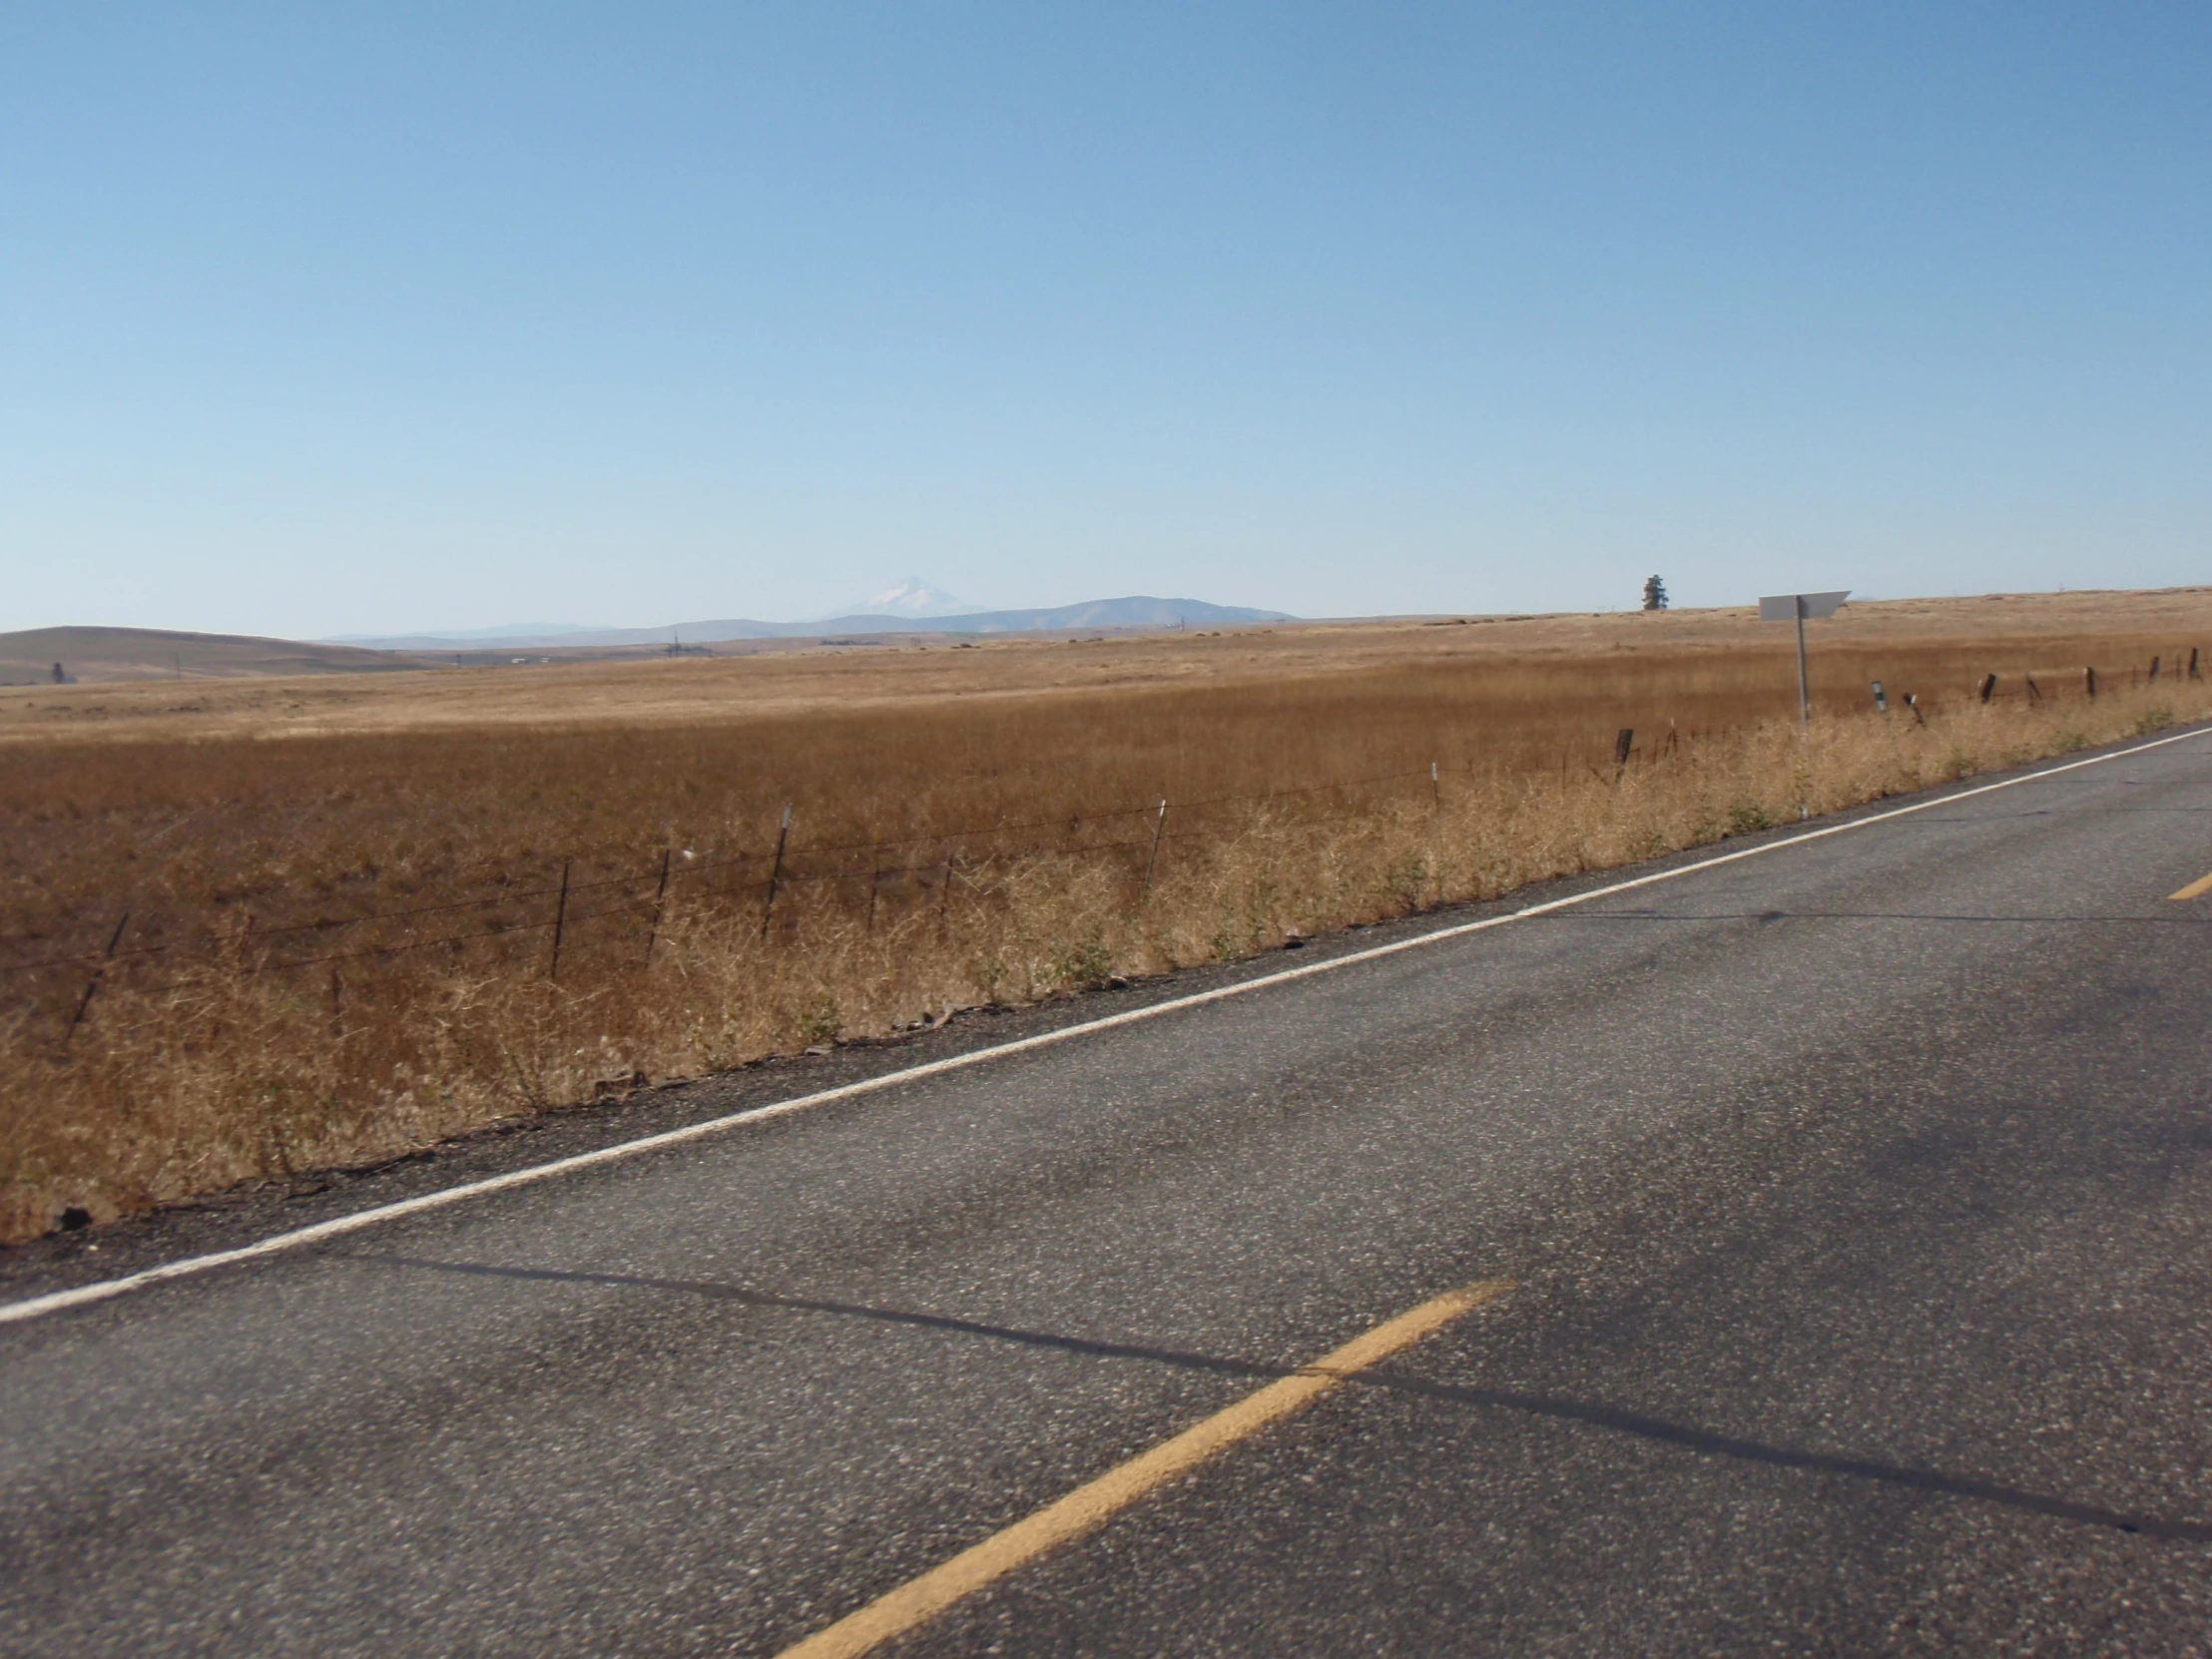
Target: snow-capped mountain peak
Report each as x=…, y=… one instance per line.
x=913, y=597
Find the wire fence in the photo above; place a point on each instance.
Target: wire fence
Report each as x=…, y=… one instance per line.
x=561, y=916
x=620, y=919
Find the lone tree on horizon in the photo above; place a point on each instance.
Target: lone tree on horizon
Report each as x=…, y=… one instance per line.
x=1655, y=594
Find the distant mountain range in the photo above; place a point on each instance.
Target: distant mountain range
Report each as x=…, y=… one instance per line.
x=111, y=654
x=1140, y=611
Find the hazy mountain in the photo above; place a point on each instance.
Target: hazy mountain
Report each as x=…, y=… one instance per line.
x=1141, y=611
x=507, y=633
x=911, y=598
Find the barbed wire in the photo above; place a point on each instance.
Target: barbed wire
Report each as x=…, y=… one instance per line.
x=696, y=868
x=688, y=871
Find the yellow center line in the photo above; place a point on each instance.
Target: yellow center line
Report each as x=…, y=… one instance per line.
x=2195, y=889
x=1091, y=1507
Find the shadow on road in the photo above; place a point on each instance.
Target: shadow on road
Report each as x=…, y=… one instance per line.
x=1699, y=1441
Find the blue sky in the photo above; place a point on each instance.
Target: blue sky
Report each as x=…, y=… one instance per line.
x=349, y=319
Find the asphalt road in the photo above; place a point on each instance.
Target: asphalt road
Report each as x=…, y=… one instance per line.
x=1857, y=1197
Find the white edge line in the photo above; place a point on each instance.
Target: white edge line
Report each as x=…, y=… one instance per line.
x=56, y=1300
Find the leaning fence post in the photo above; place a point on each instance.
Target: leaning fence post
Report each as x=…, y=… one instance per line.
x=776, y=871
x=1159, y=830
x=560, y=924
x=1621, y=746
x=99, y=973
x=660, y=899
x=1989, y=687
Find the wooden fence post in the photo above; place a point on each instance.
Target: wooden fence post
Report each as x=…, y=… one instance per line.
x=2154, y=671
x=1989, y=687
x=659, y=901
x=560, y=924
x=776, y=871
x=2089, y=683
x=1622, y=744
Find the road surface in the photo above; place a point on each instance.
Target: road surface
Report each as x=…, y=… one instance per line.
x=1843, y=1215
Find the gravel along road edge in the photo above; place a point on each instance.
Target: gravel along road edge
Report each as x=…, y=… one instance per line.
x=54, y=1302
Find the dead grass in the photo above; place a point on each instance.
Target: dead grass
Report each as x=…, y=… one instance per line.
x=1020, y=820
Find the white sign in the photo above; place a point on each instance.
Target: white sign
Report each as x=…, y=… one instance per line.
x=1784, y=606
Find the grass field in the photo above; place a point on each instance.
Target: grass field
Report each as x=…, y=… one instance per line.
x=333, y=904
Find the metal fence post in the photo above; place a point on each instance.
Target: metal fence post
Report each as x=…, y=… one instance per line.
x=1159, y=830
x=92, y=985
x=776, y=871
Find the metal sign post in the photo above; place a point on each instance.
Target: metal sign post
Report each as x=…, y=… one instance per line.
x=1795, y=606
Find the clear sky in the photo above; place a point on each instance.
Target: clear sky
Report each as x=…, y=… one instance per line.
x=338, y=318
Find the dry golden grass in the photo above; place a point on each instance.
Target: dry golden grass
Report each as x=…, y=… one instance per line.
x=254, y=1025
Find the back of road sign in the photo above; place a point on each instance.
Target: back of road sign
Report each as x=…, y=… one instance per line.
x=1784, y=606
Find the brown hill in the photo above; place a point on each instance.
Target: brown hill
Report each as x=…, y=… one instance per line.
x=111, y=654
